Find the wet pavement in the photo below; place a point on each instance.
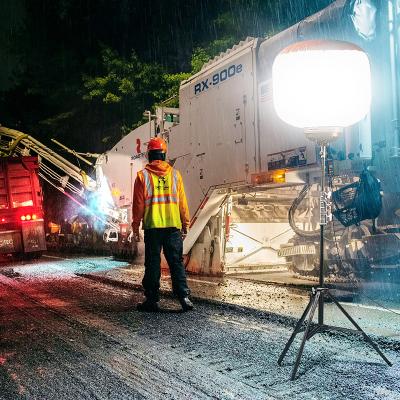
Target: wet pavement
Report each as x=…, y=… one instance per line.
x=285, y=299
x=375, y=310
x=68, y=337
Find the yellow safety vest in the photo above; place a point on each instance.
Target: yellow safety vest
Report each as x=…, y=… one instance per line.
x=161, y=202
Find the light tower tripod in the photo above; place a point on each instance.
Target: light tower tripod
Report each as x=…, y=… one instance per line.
x=321, y=292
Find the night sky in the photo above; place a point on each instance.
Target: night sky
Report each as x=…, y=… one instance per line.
x=83, y=71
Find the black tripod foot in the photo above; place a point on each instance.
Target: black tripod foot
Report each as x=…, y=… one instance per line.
x=317, y=298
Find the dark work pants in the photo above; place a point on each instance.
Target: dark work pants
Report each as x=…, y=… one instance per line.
x=170, y=240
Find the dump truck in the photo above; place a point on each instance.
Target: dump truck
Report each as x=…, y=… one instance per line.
x=86, y=187
x=244, y=169
x=22, y=230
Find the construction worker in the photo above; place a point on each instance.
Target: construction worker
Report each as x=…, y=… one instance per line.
x=159, y=201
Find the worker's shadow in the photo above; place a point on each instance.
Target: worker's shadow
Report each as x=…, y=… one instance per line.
x=162, y=310
x=170, y=311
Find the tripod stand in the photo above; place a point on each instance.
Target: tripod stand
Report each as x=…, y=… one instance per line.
x=318, y=294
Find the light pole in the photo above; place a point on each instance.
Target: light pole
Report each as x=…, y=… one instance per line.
x=321, y=87
x=148, y=114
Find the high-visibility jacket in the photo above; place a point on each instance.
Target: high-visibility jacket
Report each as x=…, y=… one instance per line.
x=159, y=198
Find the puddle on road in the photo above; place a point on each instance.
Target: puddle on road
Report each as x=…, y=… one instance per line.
x=58, y=267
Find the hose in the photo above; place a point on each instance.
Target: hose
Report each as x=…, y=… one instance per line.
x=296, y=202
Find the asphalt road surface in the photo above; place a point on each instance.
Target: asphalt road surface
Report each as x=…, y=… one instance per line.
x=67, y=337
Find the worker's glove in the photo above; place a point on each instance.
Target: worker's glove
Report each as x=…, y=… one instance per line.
x=184, y=232
x=136, y=235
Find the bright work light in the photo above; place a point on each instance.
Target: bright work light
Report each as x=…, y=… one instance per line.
x=321, y=84
x=322, y=87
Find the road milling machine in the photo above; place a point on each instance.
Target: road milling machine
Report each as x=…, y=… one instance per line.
x=252, y=180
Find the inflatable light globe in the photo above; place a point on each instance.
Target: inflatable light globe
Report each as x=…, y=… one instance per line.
x=321, y=85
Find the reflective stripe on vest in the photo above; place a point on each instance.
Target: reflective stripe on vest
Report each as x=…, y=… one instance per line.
x=161, y=201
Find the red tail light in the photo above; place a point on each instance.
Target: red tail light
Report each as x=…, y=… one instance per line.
x=3, y=220
x=28, y=217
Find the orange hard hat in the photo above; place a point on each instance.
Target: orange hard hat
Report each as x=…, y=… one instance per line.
x=157, y=144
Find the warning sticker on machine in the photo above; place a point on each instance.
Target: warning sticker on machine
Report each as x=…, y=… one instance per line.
x=287, y=159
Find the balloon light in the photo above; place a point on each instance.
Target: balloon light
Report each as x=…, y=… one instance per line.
x=322, y=87
x=321, y=84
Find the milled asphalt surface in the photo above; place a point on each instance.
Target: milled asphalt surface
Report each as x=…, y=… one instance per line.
x=68, y=337
x=374, y=315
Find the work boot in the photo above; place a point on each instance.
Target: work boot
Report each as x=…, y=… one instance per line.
x=148, y=306
x=186, y=304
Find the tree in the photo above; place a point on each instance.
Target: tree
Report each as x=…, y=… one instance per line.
x=127, y=86
x=84, y=70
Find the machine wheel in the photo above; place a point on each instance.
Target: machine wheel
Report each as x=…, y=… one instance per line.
x=305, y=265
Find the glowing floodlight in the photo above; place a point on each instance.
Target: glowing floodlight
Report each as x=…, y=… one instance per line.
x=322, y=87
x=321, y=84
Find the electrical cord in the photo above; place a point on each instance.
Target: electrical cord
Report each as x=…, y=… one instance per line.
x=296, y=202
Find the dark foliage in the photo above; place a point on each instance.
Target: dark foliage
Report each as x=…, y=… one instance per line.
x=83, y=71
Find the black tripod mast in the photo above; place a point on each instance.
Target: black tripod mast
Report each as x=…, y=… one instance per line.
x=318, y=294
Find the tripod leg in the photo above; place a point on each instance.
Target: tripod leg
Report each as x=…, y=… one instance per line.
x=314, y=331
x=366, y=337
x=295, y=332
x=315, y=303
